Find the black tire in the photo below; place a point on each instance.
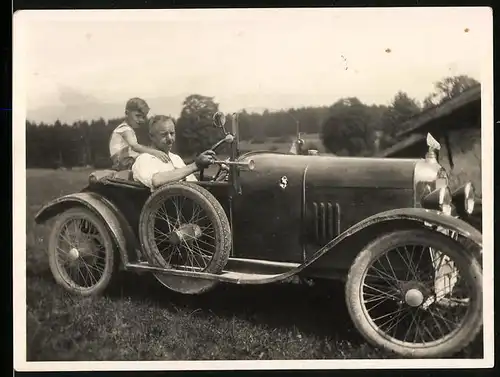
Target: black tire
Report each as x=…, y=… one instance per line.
x=472, y=247
x=450, y=343
x=217, y=217
x=58, y=271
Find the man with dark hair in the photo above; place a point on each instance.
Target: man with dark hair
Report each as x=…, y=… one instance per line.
x=152, y=171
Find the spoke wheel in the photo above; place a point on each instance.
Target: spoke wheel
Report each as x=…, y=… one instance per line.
x=80, y=251
x=417, y=293
x=184, y=227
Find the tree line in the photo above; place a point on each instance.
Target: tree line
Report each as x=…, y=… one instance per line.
x=347, y=127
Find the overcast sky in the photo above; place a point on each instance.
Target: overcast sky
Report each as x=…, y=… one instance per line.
x=249, y=58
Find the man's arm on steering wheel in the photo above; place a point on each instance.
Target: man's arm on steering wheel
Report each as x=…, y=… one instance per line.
x=147, y=175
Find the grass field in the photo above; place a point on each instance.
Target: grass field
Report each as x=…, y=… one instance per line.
x=140, y=320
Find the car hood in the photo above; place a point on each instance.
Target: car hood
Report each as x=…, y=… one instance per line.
x=334, y=171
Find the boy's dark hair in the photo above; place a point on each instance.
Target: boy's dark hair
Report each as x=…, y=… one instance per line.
x=137, y=104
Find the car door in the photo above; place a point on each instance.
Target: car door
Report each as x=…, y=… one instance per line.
x=267, y=214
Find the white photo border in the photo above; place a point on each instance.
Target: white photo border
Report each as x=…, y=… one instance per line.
x=22, y=18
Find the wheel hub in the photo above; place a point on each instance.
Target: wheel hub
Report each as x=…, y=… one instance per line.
x=185, y=233
x=73, y=254
x=414, y=297
x=414, y=293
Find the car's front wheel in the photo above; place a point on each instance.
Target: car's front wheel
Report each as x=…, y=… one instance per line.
x=183, y=227
x=399, y=291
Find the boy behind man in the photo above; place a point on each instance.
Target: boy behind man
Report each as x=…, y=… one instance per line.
x=123, y=145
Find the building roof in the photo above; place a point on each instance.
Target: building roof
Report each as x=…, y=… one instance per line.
x=417, y=126
x=468, y=96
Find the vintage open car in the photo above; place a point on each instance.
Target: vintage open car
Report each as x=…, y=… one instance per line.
x=390, y=229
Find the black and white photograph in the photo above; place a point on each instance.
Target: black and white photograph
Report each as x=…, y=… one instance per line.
x=226, y=189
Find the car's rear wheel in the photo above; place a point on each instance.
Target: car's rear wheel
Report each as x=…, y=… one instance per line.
x=183, y=226
x=81, y=252
x=400, y=287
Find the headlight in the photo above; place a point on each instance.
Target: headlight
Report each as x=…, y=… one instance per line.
x=464, y=198
x=445, y=200
x=470, y=198
x=427, y=178
x=440, y=199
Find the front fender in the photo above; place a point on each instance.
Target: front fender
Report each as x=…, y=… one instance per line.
x=423, y=216
x=349, y=242
x=118, y=226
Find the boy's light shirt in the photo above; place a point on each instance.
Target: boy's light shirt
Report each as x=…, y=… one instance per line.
x=147, y=165
x=118, y=145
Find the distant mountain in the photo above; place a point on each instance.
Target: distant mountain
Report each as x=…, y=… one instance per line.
x=73, y=106
x=90, y=109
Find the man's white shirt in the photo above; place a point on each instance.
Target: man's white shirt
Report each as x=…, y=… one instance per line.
x=147, y=165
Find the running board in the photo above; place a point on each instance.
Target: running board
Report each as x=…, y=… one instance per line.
x=259, y=266
x=225, y=276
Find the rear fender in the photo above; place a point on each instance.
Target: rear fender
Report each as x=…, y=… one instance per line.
x=118, y=226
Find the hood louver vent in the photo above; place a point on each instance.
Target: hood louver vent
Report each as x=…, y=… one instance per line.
x=326, y=221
